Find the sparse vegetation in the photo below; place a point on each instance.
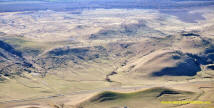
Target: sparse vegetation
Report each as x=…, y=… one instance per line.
x=136, y=99
x=62, y=56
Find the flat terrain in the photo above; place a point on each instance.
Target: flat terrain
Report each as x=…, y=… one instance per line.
x=109, y=58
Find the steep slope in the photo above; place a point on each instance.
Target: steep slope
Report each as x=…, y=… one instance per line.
x=163, y=63
x=12, y=61
x=184, y=55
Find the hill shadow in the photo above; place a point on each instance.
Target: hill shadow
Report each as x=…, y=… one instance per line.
x=187, y=68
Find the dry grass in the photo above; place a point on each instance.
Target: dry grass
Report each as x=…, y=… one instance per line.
x=133, y=58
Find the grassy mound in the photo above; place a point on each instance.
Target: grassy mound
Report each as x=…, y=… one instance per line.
x=150, y=97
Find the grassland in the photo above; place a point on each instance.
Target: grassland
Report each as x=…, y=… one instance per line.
x=136, y=99
x=104, y=50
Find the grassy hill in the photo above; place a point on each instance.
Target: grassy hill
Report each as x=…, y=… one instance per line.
x=47, y=53
x=146, y=98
